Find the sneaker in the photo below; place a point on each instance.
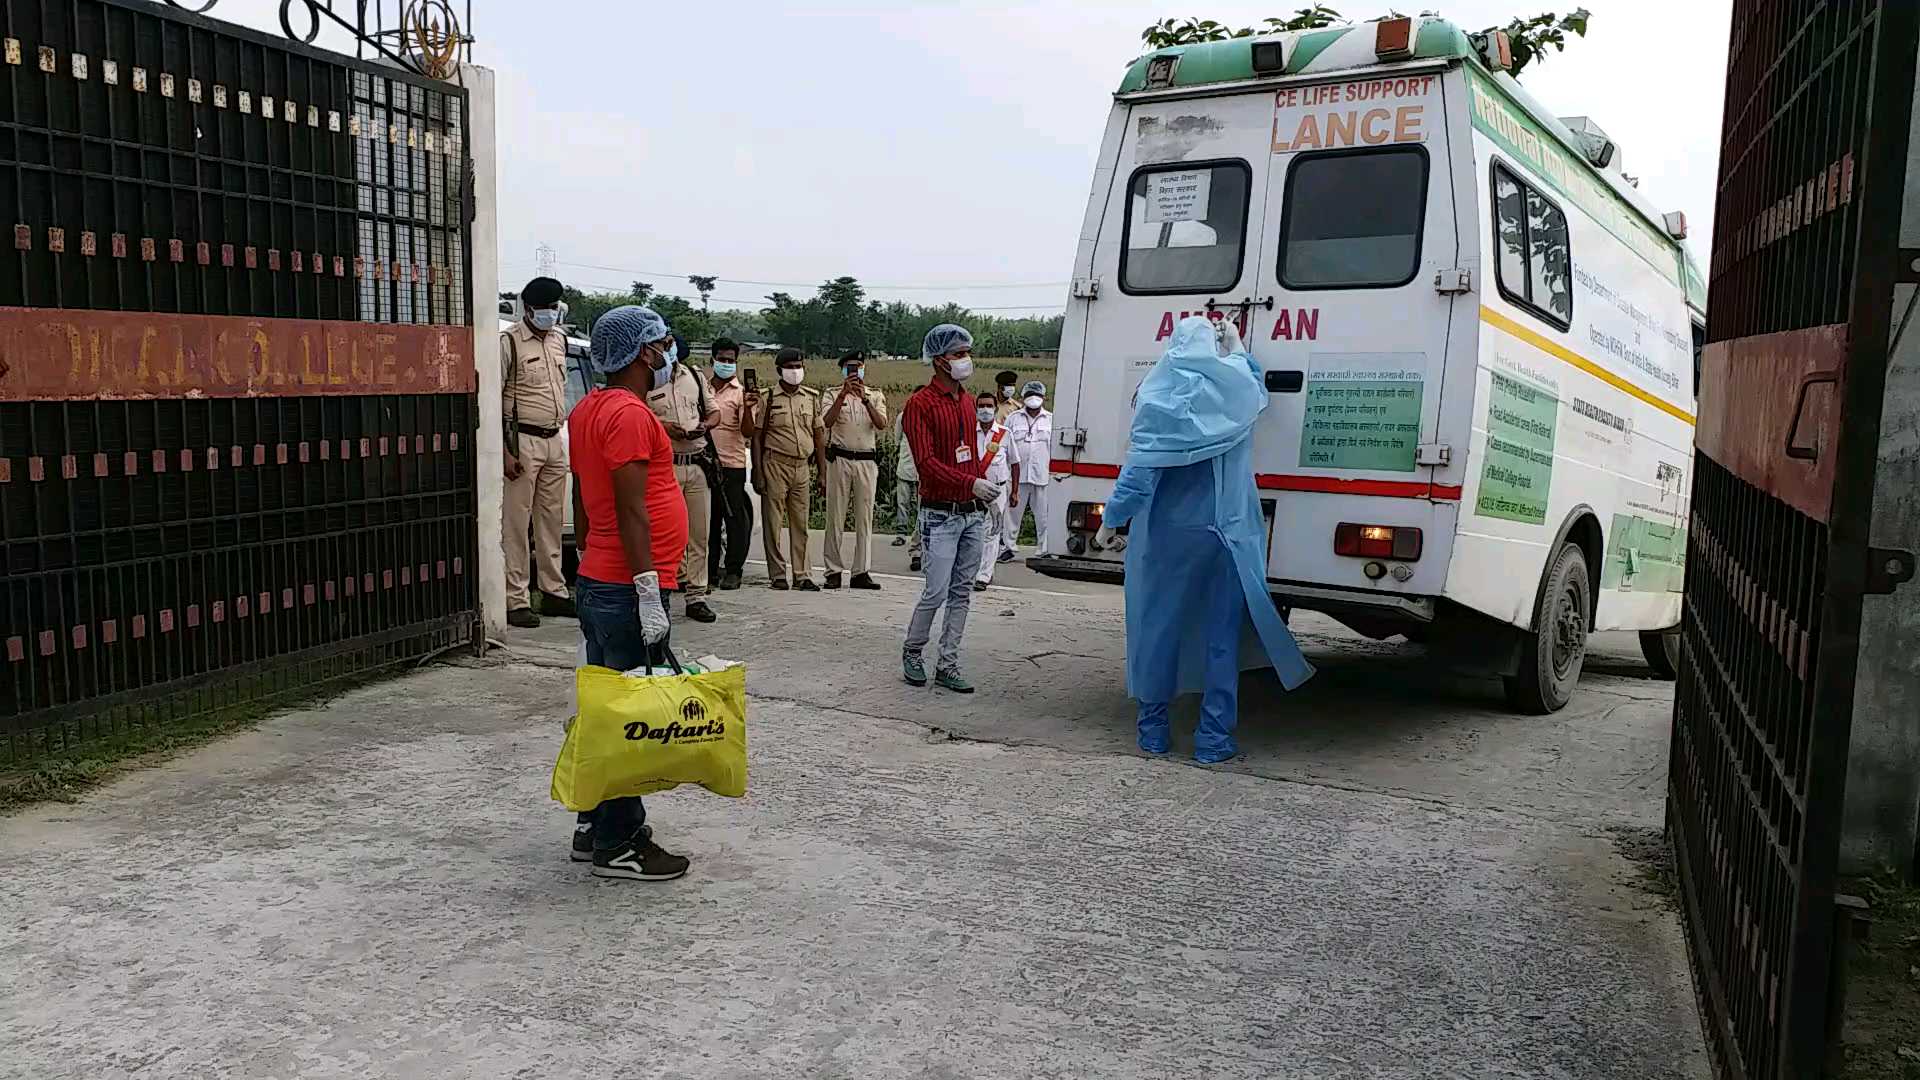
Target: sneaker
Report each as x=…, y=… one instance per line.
x=915, y=564
x=914, y=667
x=863, y=581
x=1005, y=556
x=730, y=581
x=698, y=611
x=952, y=680
x=806, y=585
x=899, y=541
x=639, y=859
x=979, y=586
x=833, y=581
x=524, y=618
x=558, y=607
x=583, y=842
x=778, y=584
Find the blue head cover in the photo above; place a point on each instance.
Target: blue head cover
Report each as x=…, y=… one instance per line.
x=942, y=340
x=619, y=335
x=1195, y=404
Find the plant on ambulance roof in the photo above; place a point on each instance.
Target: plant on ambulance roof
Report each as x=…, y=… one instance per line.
x=1529, y=38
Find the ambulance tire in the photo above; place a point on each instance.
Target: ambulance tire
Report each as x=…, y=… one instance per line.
x=1662, y=650
x=1553, y=654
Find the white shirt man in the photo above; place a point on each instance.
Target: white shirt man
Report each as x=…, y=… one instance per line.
x=991, y=443
x=1030, y=435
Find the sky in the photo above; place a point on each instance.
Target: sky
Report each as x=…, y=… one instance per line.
x=945, y=146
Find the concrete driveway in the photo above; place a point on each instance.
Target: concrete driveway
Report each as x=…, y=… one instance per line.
x=1398, y=879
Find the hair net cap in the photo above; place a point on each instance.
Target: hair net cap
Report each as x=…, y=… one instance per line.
x=1034, y=386
x=942, y=340
x=619, y=334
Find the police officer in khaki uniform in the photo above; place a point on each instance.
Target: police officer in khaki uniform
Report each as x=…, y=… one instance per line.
x=680, y=401
x=855, y=416
x=533, y=372
x=789, y=436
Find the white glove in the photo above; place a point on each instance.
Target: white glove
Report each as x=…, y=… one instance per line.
x=1109, y=540
x=653, y=614
x=1229, y=335
x=986, y=490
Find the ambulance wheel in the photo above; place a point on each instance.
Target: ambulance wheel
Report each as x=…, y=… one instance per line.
x=1662, y=650
x=1552, y=655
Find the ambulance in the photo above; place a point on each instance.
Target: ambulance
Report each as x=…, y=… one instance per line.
x=1477, y=335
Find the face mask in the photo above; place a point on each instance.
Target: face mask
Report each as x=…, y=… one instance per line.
x=793, y=376
x=985, y=414
x=961, y=368
x=724, y=369
x=1035, y=401
x=1006, y=392
x=545, y=319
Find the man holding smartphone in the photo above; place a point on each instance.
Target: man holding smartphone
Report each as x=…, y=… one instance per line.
x=731, y=523
x=855, y=416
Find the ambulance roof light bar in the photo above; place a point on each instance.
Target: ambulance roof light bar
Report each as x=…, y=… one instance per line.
x=1496, y=49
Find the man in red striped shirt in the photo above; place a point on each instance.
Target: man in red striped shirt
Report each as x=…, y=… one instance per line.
x=939, y=426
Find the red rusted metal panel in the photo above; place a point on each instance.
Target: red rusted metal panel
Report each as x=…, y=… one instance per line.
x=1781, y=413
x=49, y=354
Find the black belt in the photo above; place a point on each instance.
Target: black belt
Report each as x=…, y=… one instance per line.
x=537, y=432
x=686, y=459
x=971, y=506
x=834, y=453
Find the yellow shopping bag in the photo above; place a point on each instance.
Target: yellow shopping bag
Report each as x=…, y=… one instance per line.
x=641, y=735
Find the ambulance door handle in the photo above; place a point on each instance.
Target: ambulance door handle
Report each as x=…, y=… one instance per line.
x=1285, y=382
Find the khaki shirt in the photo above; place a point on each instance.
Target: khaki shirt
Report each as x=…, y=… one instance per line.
x=729, y=441
x=677, y=404
x=533, y=374
x=1003, y=410
x=854, y=429
x=791, y=421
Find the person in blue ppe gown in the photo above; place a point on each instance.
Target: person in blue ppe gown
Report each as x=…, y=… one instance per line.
x=1195, y=545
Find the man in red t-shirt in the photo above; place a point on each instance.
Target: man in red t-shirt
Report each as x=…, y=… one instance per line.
x=940, y=428
x=627, y=506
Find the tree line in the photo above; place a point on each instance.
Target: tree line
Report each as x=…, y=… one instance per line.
x=838, y=318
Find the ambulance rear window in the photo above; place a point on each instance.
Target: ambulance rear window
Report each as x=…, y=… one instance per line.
x=1353, y=219
x=1186, y=227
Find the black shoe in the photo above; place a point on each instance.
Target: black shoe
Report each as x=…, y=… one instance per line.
x=806, y=584
x=833, y=581
x=778, y=584
x=558, y=607
x=524, y=618
x=899, y=541
x=729, y=581
x=582, y=842
x=915, y=564
x=979, y=586
x=639, y=860
x=1005, y=556
x=863, y=581
x=698, y=611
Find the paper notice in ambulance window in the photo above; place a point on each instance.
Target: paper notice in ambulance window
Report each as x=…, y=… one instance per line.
x=1178, y=196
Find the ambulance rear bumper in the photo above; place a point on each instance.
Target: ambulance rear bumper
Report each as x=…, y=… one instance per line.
x=1332, y=600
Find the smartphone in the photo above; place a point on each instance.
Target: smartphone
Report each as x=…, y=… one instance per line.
x=751, y=379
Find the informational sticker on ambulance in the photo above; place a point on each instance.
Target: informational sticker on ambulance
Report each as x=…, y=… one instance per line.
x=1178, y=196
x=1366, y=112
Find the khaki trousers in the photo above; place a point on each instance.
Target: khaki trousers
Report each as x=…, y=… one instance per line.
x=536, y=501
x=785, y=507
x=856, y=479
x=693, y=564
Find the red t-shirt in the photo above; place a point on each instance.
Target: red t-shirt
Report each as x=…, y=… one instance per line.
x=608, y=429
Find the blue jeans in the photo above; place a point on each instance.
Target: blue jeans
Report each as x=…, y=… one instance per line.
x=952, y=546
x=610, y=623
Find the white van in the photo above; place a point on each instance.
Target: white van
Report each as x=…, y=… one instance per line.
x=1478, y=338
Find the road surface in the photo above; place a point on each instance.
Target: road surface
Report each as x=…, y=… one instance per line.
x=1398, y=879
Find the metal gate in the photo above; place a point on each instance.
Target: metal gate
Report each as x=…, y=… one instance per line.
x=236, y=368
x=1812, y=165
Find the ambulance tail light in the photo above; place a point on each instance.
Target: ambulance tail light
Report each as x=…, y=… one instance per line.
x=1378, y=542
x=1393, y=38
x=1085, y=516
